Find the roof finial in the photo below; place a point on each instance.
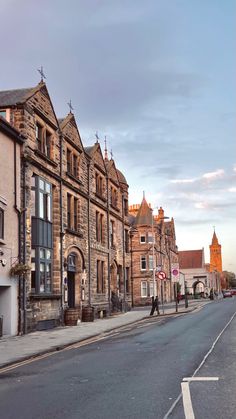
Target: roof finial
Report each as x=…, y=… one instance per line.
x=106, y=154
x=143, y=194
x=70, y=106
x=41, y=73
x=96, y=136
x=214, y=228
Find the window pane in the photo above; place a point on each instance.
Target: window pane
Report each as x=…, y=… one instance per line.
x=41, y=205
x=41, y=184
x=48, y=278
x=142, y=239
x=143, y=289
x=42, y=277
x=42, y=254
x=48, y=254
x=150, y=262
x=49, y=207
x=32, y=253
x=47, y=187
x=32, y=203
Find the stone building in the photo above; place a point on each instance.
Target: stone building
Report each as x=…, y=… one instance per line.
x=74, y=215
x=10, y=287
x=153, y=246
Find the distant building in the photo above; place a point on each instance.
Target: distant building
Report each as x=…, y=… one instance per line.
x=11, y=289
x=153, y=246
x=198, y=279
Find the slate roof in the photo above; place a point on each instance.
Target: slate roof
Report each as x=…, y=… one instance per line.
x=191, y=259
x=12, y=97
x=144, y=215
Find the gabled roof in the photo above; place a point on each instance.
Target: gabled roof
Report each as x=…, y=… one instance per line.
x=111, y=170
x=64, y=124
x=191, y=259
x=95, y=153
x=13, y=97
x=144, y=215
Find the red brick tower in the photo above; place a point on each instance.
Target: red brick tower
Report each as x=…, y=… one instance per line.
x=215, y=255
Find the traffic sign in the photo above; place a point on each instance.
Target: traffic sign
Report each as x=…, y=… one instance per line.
x=161, y=275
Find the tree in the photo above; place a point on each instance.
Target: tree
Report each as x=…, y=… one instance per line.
x=230, y=279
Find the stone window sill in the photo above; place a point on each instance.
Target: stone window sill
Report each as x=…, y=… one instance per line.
x=44, y=157
x=74, y=233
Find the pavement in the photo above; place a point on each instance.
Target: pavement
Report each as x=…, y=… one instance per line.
x=16, y=349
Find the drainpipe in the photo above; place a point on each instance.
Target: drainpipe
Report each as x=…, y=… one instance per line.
x=24, y=249
x=89, y=250
x=123, y=242
x=61, y=228
x=108, y=247
x=17, y=209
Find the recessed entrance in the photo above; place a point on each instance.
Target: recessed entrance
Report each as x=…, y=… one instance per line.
x=71, y=269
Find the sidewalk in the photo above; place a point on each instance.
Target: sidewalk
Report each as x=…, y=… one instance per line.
x=19, y=348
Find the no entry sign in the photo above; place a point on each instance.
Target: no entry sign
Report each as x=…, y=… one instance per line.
x=161, y=275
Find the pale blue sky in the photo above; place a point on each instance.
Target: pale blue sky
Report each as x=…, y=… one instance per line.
x=157, y=78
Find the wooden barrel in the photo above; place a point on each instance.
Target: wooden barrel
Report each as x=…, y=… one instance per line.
x=71, y=316
x=88, y=314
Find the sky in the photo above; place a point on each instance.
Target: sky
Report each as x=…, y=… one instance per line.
x=157, y=78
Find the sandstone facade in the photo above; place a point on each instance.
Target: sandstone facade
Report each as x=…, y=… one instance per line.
x=74, y=225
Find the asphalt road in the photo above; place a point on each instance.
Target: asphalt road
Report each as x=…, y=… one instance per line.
x=136, y=373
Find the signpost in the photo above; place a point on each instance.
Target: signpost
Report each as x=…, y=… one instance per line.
x=161, y=275
x=175, y=279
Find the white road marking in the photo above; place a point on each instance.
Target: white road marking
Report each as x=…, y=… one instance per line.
x=187, y=402
x=201, y=379
x=200, y=365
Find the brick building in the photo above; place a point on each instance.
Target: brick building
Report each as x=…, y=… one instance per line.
x=74, y=221
x=153, y=246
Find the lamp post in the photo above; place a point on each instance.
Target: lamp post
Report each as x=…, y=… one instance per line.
x=153, y=257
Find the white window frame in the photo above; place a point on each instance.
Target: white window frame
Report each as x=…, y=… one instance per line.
x=144, y=289
x=150, y=262
x=150, y=237
x=143, y=235
x=142, y=259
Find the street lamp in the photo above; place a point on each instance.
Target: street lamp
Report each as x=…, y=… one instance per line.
x=153, y=258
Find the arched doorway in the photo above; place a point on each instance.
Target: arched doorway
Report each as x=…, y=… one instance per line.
x=74, y=266
x=71, y=271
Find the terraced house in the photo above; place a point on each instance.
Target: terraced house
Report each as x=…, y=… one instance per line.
x=74, y=216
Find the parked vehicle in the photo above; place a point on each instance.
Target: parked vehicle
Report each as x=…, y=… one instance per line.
x=233, y=291
x=227, y=293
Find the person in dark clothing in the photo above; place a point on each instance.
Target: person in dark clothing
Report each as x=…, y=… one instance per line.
x=156, y=303
x=155, y=306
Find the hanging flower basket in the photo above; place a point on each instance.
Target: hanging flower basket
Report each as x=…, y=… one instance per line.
x=19, y=269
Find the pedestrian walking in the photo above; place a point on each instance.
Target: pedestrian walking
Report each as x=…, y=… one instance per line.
x=156, y=304
x=153, y=306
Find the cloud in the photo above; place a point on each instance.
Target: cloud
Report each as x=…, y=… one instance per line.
x=233, y=189
x=213, y=175
x=183, y=181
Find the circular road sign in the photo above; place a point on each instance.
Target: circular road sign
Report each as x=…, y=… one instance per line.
x=161, y=275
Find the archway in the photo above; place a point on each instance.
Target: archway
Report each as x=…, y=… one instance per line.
x=198, y=289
